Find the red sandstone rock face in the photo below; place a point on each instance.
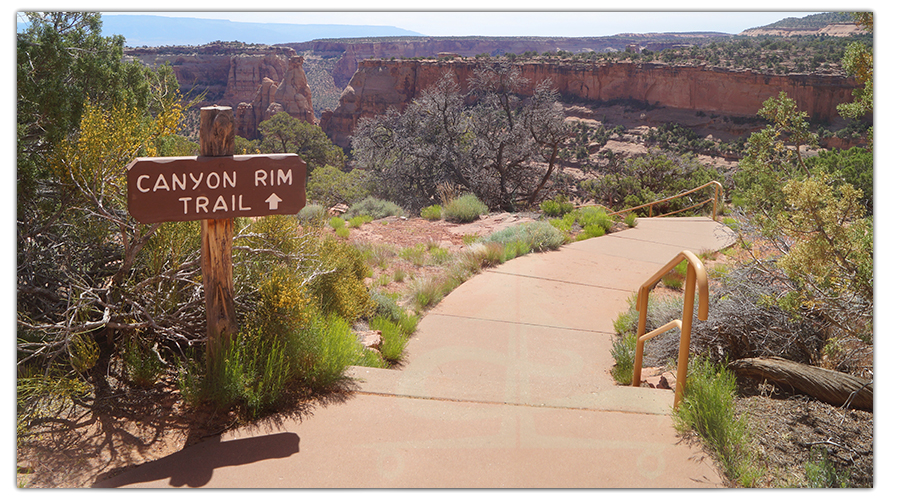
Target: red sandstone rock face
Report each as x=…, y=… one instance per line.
x=379, y=85
x=228, y=75
x=248, y=71
x=353, y=51
x=292, y=95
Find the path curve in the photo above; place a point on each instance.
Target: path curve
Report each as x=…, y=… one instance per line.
x=506, y=385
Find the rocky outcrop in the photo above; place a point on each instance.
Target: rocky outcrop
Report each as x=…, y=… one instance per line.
x=379, y=85
x=247, y=72
x=228, y=73
x=257, y=81
x=835, y=29
x=353, y=51
x=292, y=96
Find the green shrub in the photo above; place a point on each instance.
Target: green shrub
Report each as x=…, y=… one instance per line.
x=415, y=255
x=732, y=223
x=707, y=407
x=432, y=213
x=538, y=236
x=820, y=471
x=142, y=364
x=439, y=256
x=377, y=255
x=466, y=208
x=393, y=339
x=650, y=177
x=374, y=208
x=407, y=323
x=515, y=248
x=564, y=224
x=631, y=219
x=342, y=291
x=256, y=366
x=296, y=335
x=371, y=359
x=329, y=185
x=627, y=322
x=469, y=239
x=556, y=207
x=590, y=232
x=478, y=256
x=854, y=166
x=594, y=222
x=385, y=306
x=674, y=279
x=492, y=254
x=427, y=292
x=359, y=220
x=313, y=214
x=243, y=375
x=623, y=351
x=336, y=223
x=334, y=348
x=594, y=217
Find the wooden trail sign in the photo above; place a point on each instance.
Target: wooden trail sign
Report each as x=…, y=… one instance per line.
x=215, y=188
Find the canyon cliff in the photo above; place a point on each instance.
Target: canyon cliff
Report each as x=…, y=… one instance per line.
x=351, y=52
x=292, y=96
x=257, y=81
x=228, y=73
x=378, y=85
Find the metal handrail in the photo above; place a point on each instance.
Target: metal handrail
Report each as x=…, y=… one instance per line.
x=715, y=201
x=696, y=277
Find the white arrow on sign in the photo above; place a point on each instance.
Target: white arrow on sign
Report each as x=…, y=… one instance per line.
x=273, y=201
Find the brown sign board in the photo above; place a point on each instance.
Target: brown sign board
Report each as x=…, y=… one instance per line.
x=182, y=188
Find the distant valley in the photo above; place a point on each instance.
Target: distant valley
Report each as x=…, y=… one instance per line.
x=752, y=66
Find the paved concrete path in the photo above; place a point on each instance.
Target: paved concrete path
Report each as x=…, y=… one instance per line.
x=506, y=385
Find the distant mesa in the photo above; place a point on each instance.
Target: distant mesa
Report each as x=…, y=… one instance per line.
x=342, y=79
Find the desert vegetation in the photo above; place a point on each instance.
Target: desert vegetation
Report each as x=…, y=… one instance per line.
x=801, y=289
x=502, y=148
x=108, y=308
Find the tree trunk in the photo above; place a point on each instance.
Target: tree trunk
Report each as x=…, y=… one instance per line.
x=832, y=387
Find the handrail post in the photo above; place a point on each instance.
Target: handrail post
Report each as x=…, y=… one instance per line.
x=716, y=193
x=684, y=347
x=641, y=304
x=696, y=277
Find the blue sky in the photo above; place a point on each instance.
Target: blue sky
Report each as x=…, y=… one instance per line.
x=517, y=23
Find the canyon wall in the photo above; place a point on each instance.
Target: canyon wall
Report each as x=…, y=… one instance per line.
x=256, y=81
x=351, y=52
x=835, y=29
x=292, y=95
x=229, y=75
x=378, y=85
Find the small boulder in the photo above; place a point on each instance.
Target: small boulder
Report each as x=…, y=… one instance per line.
x=370, y=339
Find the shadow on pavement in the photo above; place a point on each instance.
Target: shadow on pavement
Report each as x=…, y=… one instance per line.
x=194, y=466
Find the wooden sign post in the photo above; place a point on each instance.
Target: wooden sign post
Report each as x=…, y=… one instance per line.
x=216, y=187
x=216, y=238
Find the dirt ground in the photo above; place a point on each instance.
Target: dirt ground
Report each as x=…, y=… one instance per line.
x=130, y=426
x=786, y=427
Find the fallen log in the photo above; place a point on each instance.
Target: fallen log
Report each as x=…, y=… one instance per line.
x=839, y=389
